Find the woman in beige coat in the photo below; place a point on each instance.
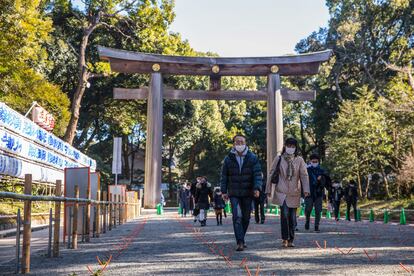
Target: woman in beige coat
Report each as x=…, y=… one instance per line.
x=293, y=177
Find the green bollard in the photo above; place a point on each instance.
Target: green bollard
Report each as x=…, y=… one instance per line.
x=346, y=215
x=371, y=215
x=358, y=215
x=159, y=209
x=386, y=216
x=403, y=220
x=313, y=212
x=180, y=210
x=276, y=211
x=271, y=209
x=302, y=212
x=328, y=214
x=227, y=207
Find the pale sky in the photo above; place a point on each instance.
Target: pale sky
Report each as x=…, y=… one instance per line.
x=248, y=27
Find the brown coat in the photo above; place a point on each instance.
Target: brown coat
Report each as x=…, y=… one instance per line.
x=288, y=190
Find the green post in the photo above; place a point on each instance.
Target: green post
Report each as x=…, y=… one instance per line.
x=403, y=220
x=271, y=209
x=328, y=214
x=276, y=210
x=180, y=209
x=313, y=212
x=386, y=216
x=159, y=212
x=346, y=215
x=358, y=216
x=371, y=215
x=227, y=207
x=302, y=212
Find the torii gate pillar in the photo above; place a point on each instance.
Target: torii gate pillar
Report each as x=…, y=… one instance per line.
x=274, y=133
x=153, y=158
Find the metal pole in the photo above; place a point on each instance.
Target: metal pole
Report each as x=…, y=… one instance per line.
x=49, y=244
x=18, y=224
x=94, y=222
x=56, y=233
x=83, y=224
x=69, y=226
x=75, y=220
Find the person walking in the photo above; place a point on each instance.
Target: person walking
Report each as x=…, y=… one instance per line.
x=241, y=179
x=351, y=198
x=259, y=202
x=195, y=211
x=218, y=205
x=317, y=183
x=185, y=195
x=285, y=181
x=203, y=197
x=335, y=194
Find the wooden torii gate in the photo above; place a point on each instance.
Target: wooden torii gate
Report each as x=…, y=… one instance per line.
x=215, y=67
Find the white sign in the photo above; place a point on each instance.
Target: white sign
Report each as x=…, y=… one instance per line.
x=116, y=156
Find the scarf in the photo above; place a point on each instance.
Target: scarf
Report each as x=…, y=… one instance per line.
x=290, y=169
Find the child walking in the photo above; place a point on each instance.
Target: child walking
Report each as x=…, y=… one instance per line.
x=218, y=205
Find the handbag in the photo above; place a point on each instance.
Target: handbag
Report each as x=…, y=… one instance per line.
x=275, y=176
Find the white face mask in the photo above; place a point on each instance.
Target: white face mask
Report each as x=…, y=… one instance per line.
x=290, y=150
x=314, y=164
x=240, y=148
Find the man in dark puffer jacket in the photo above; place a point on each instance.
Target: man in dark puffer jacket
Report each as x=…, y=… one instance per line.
x=241, y=179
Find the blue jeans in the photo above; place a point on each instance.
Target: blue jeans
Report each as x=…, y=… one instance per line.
x=241, y=209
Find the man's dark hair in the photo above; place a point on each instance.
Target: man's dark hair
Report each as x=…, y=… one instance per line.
x=314, y=156
x=239, y=135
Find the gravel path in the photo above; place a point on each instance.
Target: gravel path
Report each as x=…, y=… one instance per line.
x=168, y=245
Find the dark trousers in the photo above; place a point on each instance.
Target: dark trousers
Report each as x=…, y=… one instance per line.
x=310, y=202
x=241, y=208
x=259, y=208
x=348, y=208
x=336, y=205
x=287, y=222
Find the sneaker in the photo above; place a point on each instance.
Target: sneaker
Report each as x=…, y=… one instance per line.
x=290, y=244
x=317, y=229
x=307, y=225
x=240, y=247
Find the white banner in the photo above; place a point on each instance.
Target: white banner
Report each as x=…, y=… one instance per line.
x=13, y=121
x=116, y=156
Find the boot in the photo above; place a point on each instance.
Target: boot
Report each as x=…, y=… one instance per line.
x=240, y=246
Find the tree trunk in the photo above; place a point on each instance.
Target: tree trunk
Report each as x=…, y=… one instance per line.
x=386, y=184
x=359, y=185
x=302, y=136
x=125, y=153
x=170, y=180
x=192, y=162
x=83, y=79
x=367, y=187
